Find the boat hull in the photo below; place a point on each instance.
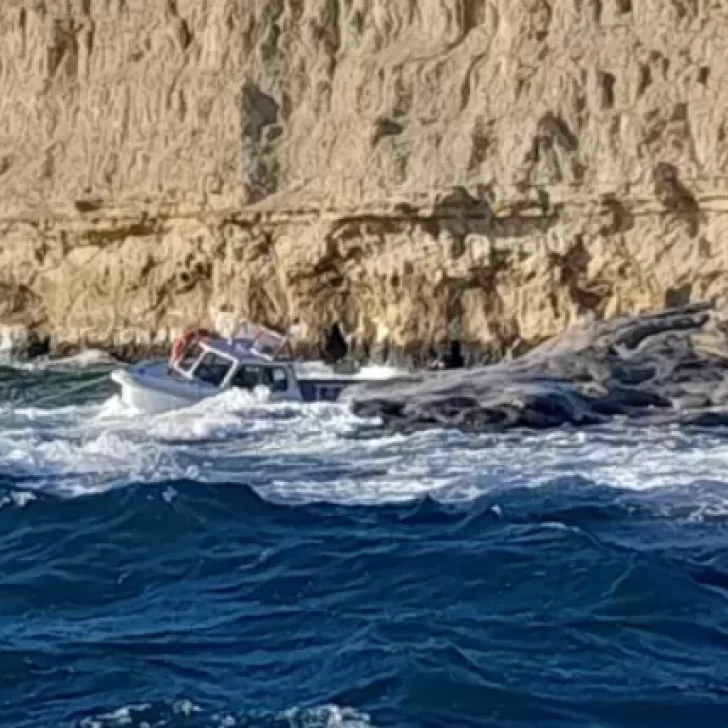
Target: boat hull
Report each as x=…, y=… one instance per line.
x=148, y=392
x=323, y=390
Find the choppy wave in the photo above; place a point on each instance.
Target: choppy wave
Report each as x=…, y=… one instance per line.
x=240, y=563
x=185, y=603
x=323, y=452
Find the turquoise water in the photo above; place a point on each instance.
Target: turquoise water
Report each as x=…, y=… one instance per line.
x=244, y=564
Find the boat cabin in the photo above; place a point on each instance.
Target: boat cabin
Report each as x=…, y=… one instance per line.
x=202, y=363
x=242, y=363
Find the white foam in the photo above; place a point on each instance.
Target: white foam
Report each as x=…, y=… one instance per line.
x=371, y=371
x=124, y=716
x=17, y=499
x=308, y=453
x=181, y=711
x=83, y=360
x=327, y=716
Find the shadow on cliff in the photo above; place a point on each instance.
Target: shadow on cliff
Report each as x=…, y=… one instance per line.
x=664, y=367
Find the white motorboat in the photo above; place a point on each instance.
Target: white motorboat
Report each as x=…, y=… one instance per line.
x=203, y=363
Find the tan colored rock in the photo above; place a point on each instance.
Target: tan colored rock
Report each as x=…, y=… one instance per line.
x=415, y=168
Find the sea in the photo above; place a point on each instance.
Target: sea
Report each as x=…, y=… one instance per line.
x=241, y=564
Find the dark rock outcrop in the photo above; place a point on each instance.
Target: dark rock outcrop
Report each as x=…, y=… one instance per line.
x=670, y=366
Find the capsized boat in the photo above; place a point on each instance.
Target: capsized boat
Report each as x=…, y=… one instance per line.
x=202, y=364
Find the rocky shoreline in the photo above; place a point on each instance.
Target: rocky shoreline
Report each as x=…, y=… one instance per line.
x=667, y=367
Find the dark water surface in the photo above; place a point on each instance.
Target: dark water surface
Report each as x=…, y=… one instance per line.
x=249, y=565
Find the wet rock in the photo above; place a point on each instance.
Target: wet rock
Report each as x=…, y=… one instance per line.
x=671, y=365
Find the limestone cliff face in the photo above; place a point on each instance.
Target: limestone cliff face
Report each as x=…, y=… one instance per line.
x=497, y=168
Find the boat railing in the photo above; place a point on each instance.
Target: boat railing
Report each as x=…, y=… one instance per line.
x=258, y=340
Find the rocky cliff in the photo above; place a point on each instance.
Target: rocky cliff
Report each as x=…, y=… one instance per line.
x=414, y=168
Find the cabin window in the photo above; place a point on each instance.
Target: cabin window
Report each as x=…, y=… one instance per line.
x=249, y=377
x=213, y=369
x=278, y=380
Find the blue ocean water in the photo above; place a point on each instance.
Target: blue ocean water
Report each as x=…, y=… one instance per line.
x=244, y=564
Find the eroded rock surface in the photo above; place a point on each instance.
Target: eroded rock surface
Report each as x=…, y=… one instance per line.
x=670, y=366
x=499, y=169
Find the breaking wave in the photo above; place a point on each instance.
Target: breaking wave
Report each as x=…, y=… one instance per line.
x=333, y=455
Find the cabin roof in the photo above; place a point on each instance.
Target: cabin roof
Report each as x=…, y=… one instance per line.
x=240, y=351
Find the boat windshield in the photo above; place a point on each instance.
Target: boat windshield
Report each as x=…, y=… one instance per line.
x=213, y=368
x=264, y=340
